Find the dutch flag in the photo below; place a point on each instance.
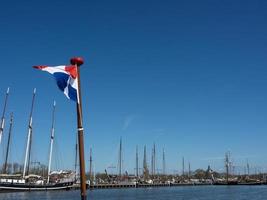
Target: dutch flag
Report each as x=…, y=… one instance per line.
x=66, y=78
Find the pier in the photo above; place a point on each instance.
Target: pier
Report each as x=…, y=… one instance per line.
x=139, y=185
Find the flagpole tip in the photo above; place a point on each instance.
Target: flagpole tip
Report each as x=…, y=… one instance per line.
x=76, y=61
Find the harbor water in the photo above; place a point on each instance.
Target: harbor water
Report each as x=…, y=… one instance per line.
x=163, y=193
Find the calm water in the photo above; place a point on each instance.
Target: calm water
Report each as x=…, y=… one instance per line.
x=164, y=193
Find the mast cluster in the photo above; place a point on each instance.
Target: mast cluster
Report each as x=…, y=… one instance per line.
x=27, y=159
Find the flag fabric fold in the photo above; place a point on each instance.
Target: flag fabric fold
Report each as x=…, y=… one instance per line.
x=66, y=78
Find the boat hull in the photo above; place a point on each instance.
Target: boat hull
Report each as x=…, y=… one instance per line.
x=33, y=187
x=226, y=183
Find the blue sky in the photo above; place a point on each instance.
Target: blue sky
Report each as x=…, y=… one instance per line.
x=190, y=76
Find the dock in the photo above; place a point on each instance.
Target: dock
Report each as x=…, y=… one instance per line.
x=139, y=185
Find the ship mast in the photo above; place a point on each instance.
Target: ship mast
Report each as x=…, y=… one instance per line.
x=3, y=116
x=152, y=162
x=183, y=166
x=28, y=148
x=120, y=160
x=163, y=163
x=145, y=169
x=136, y=162
x=189, y=171
x=91, y=168
x=51, y=141
x=8, y=143
x=154, y=159
x=247, y=167
x=227, y=155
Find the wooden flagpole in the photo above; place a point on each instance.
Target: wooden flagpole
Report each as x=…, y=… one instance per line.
x=77, y=61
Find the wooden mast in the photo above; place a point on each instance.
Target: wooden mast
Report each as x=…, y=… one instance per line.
x=8, y=143
x=3, y=116
x=28, y=148
x=77, y=61
x=51, y=142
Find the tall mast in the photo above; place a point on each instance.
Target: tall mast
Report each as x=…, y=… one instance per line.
x=29, y=157
x=120, y=159
x=227, y=165
x=145, y=170
x=91, y=165
x=3, y=116
x=163, y=163
x=183, y=166
x=136, y=162
x=154, y=159
x=8, y=143
x=28, y=148
x=51, y=141
x=78, y=62
x=144, y=160
x=189, y=170
x=247, y=167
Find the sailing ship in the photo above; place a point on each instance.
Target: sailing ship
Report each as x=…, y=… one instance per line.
x=31, y=182
x=227, y=180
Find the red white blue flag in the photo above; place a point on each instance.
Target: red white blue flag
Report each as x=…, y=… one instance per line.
x=66, y=78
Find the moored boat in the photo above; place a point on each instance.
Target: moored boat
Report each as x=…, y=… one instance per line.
x=31, y=182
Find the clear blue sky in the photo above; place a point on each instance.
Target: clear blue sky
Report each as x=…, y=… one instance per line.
x=190, y=76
